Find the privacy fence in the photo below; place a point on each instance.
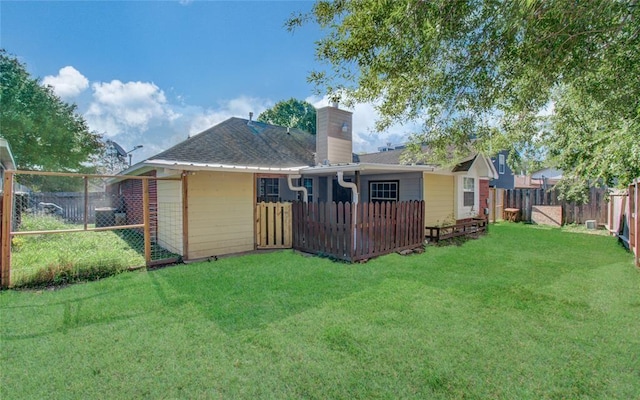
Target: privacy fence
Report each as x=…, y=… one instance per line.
x=596, y=208
x=108, y=223
x=634, y=219
x=354, y=232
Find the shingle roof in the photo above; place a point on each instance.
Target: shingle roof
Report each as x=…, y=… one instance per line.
x=387, y=157
x=465, y=165
x=237, y=141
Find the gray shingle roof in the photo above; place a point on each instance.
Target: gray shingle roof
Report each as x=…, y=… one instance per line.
x=238, y=142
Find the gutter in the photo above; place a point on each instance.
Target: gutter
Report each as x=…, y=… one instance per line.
x=354, y=196
x=297, y=188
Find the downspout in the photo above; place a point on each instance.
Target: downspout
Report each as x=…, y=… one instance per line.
x=354, y=197
x=297, y=188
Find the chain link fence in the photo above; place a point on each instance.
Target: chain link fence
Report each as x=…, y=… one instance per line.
x=69, y=227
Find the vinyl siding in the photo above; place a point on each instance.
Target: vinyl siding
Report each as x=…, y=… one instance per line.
x=439, y=198
x=410, y=185
x=221, y=213
x=170, y=215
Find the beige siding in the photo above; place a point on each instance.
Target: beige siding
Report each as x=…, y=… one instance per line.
x=439, y=199
x=220, y=213
x=170, y=215
x=332, y=143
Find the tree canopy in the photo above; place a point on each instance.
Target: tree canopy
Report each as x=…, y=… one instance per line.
x=291, y=113
x=489, y=69
x=44, y=132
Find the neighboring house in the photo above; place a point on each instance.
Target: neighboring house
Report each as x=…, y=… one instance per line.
x=543, y=179
x=505, y=178
x=229, y=168
x=6, y=160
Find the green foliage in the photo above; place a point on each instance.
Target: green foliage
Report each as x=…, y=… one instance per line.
x=44, y=132
x=522, y=313
x=487, y=68
x=291, y=113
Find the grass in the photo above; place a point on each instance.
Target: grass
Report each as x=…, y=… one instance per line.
x=521, y=313
x=47, y=259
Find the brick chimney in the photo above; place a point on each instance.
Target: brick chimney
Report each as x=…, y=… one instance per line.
x=334, y=144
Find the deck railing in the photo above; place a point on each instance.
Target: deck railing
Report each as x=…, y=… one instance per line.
x=470, y=228
x=353, y=233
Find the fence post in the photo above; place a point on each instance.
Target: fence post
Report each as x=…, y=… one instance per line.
x=86, y=202
x=147, y=221
x=7, y=218
x=636, y=219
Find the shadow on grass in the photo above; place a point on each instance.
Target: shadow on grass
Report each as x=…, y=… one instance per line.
x=250, y=291
x=135, y=239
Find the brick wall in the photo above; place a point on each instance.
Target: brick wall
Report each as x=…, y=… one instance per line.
x=483, y=197
x=547, y=215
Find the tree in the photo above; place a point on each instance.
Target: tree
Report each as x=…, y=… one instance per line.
x=487, y=69
x=44, y=132
x=291, y=113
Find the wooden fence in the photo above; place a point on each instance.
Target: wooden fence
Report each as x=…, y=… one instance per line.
x=273, y=226
x=573, y=213
x=353, y=233
x=634, y=219
x=72, y=204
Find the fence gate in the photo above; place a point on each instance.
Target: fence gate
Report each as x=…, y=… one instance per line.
x=273, y=226
x=496, y=206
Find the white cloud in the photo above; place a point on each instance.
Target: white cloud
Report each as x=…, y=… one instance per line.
x=170, y=123
x=68, y=83
x=238, y=107
x=119, y=107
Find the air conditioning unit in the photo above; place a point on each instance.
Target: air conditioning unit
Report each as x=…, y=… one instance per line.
x=591, y=224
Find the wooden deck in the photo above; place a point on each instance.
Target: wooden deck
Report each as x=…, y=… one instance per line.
x=471, y=229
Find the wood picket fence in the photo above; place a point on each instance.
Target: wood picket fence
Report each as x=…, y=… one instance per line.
x=357, y=232
x=572, y=213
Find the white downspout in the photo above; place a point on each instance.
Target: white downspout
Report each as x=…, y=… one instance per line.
x=297, y=188
x=354, y=197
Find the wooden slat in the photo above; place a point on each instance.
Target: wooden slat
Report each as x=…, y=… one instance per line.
x=146, y=221
x=276, y=212
x=7, y=218
x=288, y=227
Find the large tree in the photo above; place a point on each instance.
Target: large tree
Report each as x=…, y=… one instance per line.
x=291, y=113
x=44, y=132
x=487, y=69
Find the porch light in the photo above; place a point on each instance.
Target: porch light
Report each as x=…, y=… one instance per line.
x=345, y=127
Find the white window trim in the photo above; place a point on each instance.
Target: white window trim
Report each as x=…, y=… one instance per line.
x=394, y=182
x=462, y=211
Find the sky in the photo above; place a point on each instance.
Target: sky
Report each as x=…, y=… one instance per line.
x=152, y=73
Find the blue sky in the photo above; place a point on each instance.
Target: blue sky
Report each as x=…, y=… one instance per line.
x=152, y=73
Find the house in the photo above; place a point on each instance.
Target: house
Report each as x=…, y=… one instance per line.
x=542, y=179
x=6, y=159
x=505, y=178
x=222, y=173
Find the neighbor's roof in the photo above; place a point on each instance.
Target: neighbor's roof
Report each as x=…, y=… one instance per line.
x=6, y=157
x=387, y=156
x=240, y=142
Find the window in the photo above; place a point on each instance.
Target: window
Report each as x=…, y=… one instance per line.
x=308, y=184
x=269, y=190
x=501, y=163
x=383, y=191
x=468, y=190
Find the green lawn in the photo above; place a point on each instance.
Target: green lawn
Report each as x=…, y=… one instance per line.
x=521, y=313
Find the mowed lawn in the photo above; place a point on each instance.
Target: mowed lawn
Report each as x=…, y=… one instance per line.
x=524, y=312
